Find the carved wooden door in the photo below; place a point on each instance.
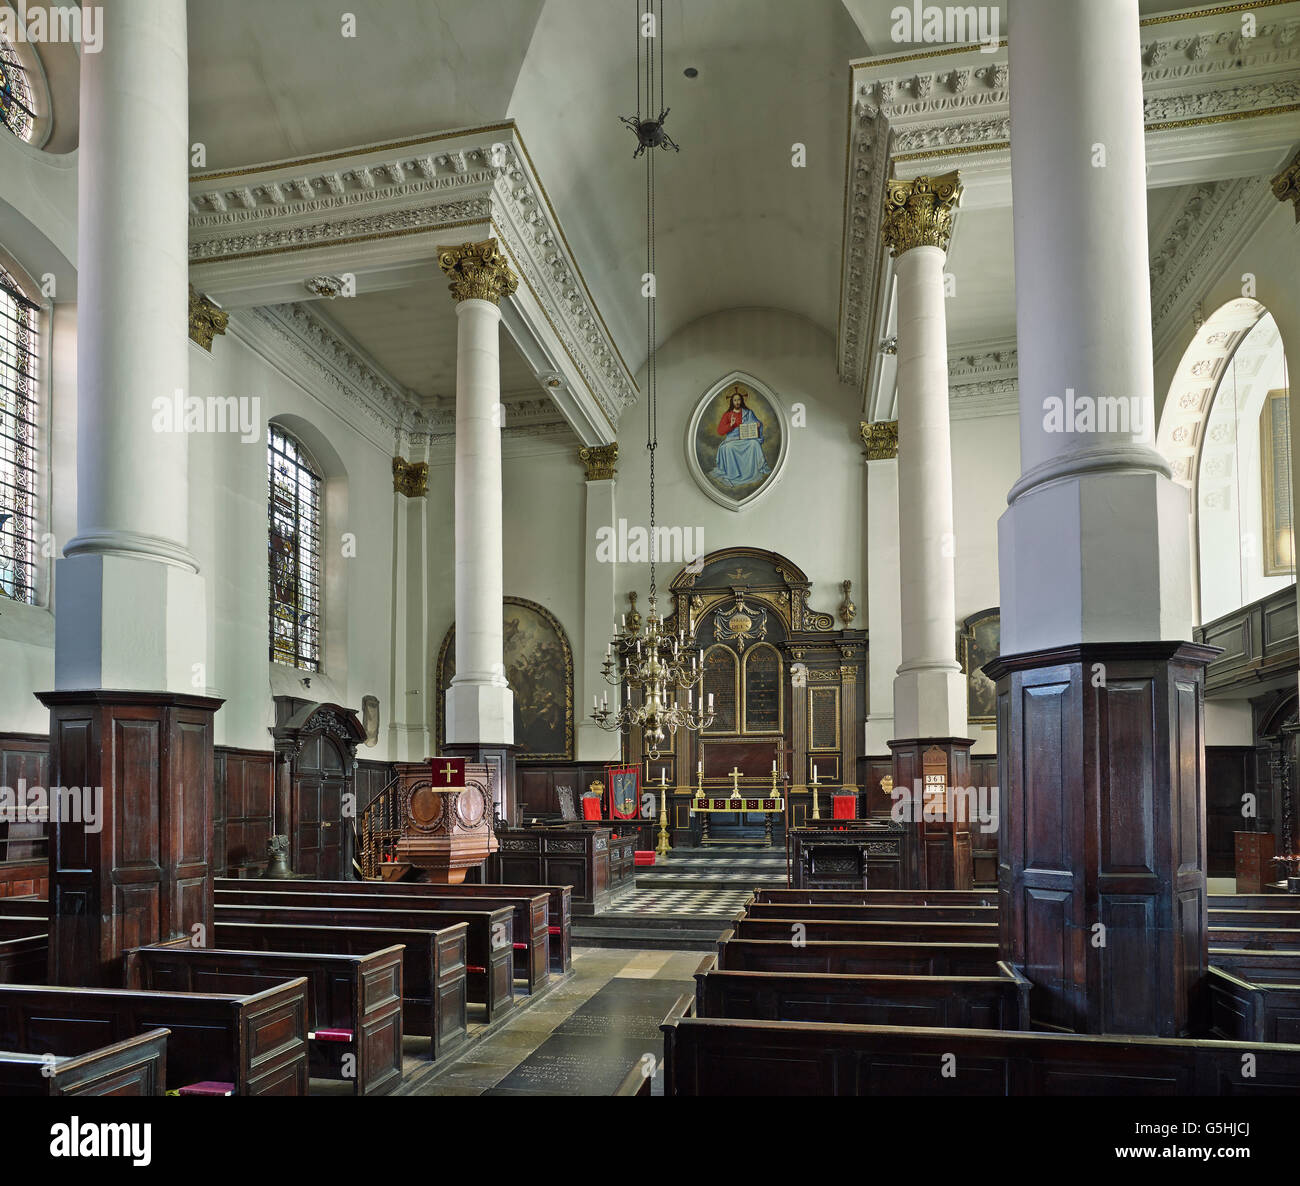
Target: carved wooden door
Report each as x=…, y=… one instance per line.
x=321, y=777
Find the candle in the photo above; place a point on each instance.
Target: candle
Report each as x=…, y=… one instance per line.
x=710, y=701
x=814, y=772
x=773, y=765
x=595, y=702
x=690, y=697
x=700, y=768
x=625, y=621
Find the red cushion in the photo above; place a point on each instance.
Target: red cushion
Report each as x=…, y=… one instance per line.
x=591, y=808
x=208, y=1087
x=332, y=1035
x=475, y=968
x=644, y=857
x=845, y=806
x=521, y=946
x=556, y=930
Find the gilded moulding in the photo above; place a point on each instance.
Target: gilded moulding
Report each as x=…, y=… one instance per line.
x=410, y=478
x=880, y=439
x=918, y=213
x=478, y=271
x=599, y=461
x=206, y=320
x=1286, y=185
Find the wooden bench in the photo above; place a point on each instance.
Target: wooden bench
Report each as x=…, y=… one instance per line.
x=354, y=1002
x=1273, y=967
x=857, y=959
x=434, y=993
x=25, y=908
x=219, y=1044
x=1260, y=938
x=489, y=935
x=17, y=927
x=559, y=899
x=134, y=1066
x=862, y=897
x=531, y=930
x=848, y=912
x=25, y=961
x=1286, y=919
x=853, y=931
x=1253, y=901
x=722, y=1057
x=998, y=1001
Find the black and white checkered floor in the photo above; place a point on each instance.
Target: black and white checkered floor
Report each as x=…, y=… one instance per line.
x=649, y=901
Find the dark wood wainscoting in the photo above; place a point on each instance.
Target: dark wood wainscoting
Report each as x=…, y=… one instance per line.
x=24, y=845
x=245, y=784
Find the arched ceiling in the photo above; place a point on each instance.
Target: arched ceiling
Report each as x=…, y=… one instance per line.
x=736, y=224
x=271, y=81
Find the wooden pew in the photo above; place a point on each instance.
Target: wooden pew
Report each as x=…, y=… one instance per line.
x=133, y=1066
x=25, y=908
x=711, y=1056
x=857, y=959
x=17, y=927
x=1273, y=967
x=354, y=1002
x=247, y=1043
x=998, y=1001
x=1286, y=919
x=25, y=961
x=853, y=931
x=1253, y=901
x=489, y=937
x=433, y=972
x=531, y=930
x=559, y=900
x=847, y=912
x=880, y=897
x=1260, y=938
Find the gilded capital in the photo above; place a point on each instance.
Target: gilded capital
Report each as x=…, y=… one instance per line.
x=1286, y=185
x=880, y=439
x=478, y=271
x=918, y=213
x=599, y=460
x=206, y=320
x=410, y=478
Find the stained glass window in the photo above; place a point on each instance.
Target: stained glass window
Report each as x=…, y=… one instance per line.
x=17, y=108
x=19, y=338
x=294, y=545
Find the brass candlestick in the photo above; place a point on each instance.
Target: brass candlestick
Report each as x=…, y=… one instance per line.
x=663, y=846
x=816, y=811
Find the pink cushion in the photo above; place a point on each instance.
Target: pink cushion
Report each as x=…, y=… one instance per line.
x=332, y=1035
x=208, y=1087
x=644, y=857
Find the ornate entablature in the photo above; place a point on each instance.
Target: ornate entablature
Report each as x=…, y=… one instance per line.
x=376, y=211
x=1210, y=96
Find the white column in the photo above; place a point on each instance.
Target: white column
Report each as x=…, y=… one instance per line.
x=130, y=610
x=480, y=704
x=929, y=692
x=408, y=728
x=1094, y=545
x=884, y=612
x=599, y=607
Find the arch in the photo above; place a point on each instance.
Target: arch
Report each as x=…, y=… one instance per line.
x=1213, y=432
x=762, y=652
x=541, y=680
x=709, y=684
x=295, y=552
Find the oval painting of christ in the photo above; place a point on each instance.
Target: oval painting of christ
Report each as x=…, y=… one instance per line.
x=736, y=440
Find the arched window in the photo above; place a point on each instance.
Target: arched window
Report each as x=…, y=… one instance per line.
x=19, y=367
x=762, y=692
x=294, y=545
x=17, y=105
x=722, y=682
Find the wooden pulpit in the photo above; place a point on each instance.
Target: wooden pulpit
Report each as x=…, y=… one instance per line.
x=445, y=831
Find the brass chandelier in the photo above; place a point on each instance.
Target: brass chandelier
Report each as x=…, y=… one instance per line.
x=653, y=662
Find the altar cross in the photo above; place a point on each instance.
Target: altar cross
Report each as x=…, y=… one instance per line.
x=735, y=782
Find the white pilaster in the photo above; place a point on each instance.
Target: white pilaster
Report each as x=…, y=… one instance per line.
x=408, y=728
x=598, y=616
x=884, y=610
x=1094, y=545
x=929, y=691
x=131, y=606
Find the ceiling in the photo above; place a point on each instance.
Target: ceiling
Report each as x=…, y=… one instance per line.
x=737, y=224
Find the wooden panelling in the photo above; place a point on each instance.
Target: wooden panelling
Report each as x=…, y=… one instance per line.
x=245, y=781
x=1102, y=849
x=1259, y=641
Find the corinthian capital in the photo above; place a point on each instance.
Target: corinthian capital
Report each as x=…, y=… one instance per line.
x=478, y=271
x=1286, y=185
x=918, y=213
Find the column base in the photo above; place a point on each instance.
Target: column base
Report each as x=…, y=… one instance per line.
x=1101, y=853
x=500, y=759
x=480, y=714
x=939, y=827
x=125, y=622
x=930, y=702
x=140, y=871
